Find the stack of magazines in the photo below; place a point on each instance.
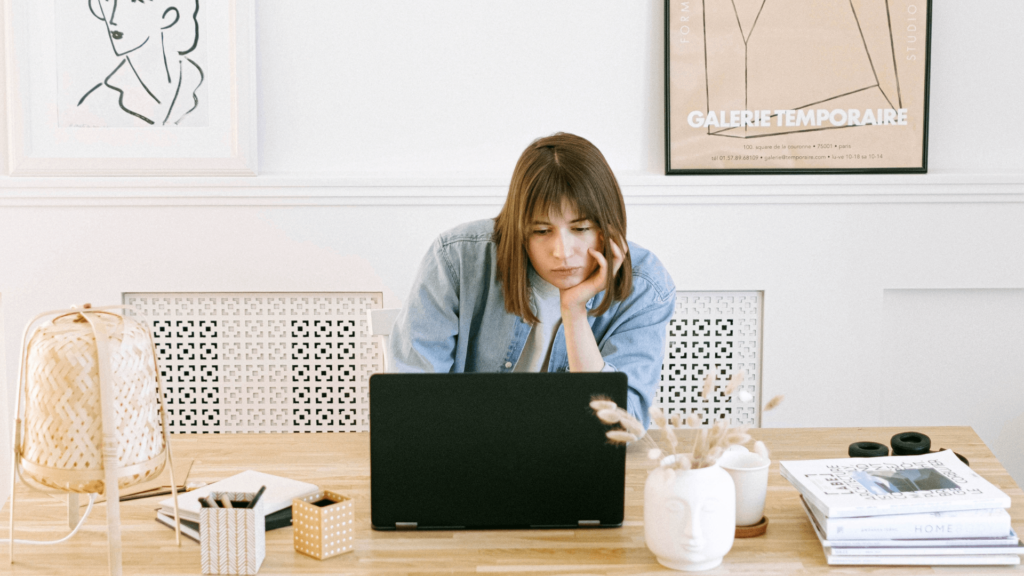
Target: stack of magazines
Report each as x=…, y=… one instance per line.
x=929, y=509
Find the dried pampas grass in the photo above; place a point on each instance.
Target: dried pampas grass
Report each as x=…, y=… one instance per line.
x=609, y=413
x=709, y=385
x=734, y=383
x=620, y=436
x=608, y=416
x=673, y=440
x=761, y=450
x=678, y=419
x=737, y=436
x=658, y=416
x=630, y=424
x=694, y=419
x=683, y=462
x=709, y=444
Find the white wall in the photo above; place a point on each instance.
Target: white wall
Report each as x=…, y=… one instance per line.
x=383, y=123
x=956, y=346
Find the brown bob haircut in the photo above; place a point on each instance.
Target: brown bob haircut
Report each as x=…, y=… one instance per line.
x=558, y=170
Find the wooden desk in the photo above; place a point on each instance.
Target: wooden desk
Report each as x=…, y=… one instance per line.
x=341, y=462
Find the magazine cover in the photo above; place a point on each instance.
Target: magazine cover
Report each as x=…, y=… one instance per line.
x=983, y=523
x=967, y=528
x=847, y=487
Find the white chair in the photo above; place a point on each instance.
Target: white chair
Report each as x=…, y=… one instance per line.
x=381, y=323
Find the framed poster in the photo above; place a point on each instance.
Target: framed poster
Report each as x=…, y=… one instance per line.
x=794, y=86
x=130, y=88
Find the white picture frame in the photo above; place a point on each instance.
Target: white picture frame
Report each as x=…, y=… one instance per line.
x=56, y=49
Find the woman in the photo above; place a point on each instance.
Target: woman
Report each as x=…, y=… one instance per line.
x=549, y=285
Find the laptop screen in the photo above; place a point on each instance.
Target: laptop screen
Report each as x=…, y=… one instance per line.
x=493, y=450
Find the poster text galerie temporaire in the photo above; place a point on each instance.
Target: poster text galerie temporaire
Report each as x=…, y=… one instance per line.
x=791, y=118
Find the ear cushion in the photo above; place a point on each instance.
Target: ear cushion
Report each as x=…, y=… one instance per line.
x=868, y=450
x=910, y=443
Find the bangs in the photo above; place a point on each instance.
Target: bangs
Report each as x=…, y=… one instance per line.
x=555, y=190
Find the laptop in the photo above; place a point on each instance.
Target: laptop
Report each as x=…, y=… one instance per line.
x=469, y=451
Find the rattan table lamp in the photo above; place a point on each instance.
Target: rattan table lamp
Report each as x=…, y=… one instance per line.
x=94, y=417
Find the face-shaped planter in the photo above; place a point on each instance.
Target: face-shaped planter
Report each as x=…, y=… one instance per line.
x=689, y=516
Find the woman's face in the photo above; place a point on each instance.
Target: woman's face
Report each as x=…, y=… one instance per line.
x=557, y=246
x=130, y=23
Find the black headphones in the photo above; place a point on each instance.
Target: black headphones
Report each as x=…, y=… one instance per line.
x=903, y=444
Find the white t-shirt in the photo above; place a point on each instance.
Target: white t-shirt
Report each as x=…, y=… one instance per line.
x=547, y=306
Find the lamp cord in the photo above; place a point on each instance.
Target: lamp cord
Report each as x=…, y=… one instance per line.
x=92, y=500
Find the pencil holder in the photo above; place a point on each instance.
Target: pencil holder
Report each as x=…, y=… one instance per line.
x=323, y=524
x=232, y=540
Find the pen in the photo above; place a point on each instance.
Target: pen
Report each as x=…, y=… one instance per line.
x=225, y=501
x=146, y=495
x=204, y=503
x=256, y=498
x=210, y=502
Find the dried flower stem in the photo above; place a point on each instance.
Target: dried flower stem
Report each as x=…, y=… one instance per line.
x=630, y=424
x=761, y=450
x=709, y=444
x=709, y=385
x=693, y=420
x=673, y=440
x=620, y=436
x=734, y=383
x=678, y=419
x=608, y=416
x=658, y=416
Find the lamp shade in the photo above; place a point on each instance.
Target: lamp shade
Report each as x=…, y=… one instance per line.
x=63, y=434
x=94, y=420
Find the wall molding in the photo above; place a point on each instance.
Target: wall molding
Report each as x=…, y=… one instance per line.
x=454, y=189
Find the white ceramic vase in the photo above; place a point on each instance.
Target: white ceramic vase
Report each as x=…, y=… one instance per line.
x=689, y=516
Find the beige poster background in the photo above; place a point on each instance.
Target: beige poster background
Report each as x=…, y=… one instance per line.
x=808, y=72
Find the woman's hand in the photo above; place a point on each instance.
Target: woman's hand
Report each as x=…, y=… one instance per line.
x=580, y=344
x=575, y=299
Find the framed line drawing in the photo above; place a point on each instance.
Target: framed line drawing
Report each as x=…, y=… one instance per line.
x=791, y=86
x=130, y=88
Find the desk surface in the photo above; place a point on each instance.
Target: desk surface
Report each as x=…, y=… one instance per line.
x=341, y=462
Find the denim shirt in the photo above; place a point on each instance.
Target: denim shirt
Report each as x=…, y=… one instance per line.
x=455, y=318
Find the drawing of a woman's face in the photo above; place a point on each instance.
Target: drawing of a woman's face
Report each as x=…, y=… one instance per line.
x=132, y=23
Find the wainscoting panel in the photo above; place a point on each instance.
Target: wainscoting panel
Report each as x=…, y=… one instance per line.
x=719, y=332
x=301, y=362
x=264, y=362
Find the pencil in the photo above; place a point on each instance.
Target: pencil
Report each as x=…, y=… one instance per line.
x=256, y=498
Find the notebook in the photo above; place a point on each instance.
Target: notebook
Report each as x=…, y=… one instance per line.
x=451, y=451
x=279, y=494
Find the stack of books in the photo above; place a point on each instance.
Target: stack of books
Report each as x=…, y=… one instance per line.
x=277, y=500
x=929, y=509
